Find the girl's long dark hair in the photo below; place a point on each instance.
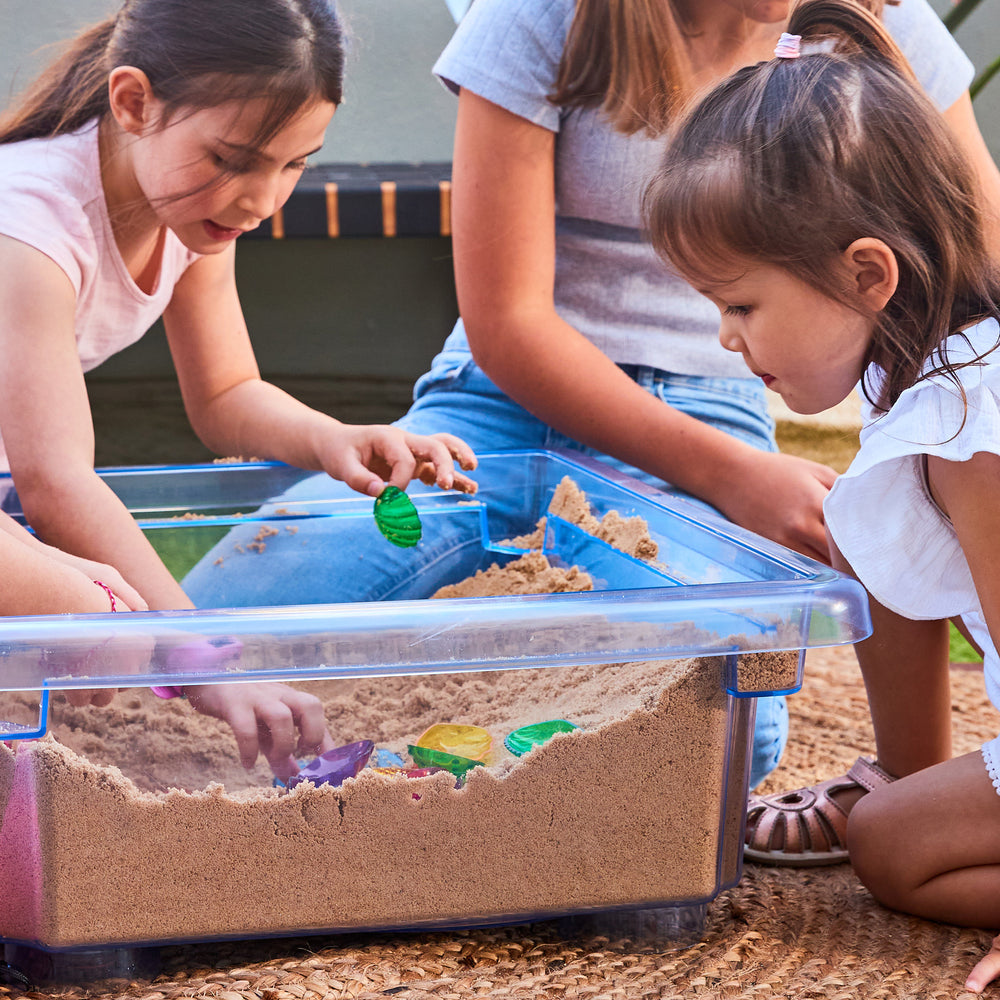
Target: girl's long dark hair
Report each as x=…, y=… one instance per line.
x=196, y=54
x=789, y=161
x=629, y=57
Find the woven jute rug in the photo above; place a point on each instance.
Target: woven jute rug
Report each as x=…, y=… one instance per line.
x=780, y=933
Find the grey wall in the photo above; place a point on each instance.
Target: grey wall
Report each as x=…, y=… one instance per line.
x=394, y=110
x=351, y=307
x=979, y=35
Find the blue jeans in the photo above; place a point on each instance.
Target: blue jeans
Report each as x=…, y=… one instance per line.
x=318, y=564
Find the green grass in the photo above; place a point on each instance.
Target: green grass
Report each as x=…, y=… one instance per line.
x=827, y=445
x=181, y=547
x=960, y=651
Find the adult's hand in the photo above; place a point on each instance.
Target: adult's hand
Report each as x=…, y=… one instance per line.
x=781, y=497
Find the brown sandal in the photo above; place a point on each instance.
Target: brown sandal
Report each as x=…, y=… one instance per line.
x=807, y=827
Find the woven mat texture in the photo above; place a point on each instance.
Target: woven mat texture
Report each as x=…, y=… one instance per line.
x=780, y=933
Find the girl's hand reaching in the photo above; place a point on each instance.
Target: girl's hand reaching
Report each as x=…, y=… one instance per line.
x=368, y=457
x=132, y=657
x=127, y=597
x=275, y=720
x=781, y=497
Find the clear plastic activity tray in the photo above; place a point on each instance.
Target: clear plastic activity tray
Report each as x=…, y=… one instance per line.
x=110, y=849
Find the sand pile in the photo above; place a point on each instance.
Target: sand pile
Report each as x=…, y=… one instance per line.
x=531, y=574
x=628, y=534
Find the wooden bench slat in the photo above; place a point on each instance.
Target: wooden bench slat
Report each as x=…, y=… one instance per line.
x=371, y=199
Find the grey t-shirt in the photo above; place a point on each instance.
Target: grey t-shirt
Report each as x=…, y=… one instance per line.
x=609, y=284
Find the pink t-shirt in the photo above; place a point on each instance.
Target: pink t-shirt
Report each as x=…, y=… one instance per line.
x=51, y=198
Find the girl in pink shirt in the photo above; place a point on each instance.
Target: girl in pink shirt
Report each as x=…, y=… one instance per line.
x=127, y=173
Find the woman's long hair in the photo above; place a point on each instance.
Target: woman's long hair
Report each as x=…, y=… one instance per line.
x=629, y=57
x=790, y=161
x=196, y=54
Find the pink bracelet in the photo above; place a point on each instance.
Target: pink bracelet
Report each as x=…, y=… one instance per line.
x=107, y=590
x=160, y=692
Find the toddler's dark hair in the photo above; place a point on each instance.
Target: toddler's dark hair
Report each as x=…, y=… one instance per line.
x=789, y=161
x=196, y=54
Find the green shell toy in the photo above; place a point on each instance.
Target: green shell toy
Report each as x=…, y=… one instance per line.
x=425, y=757
x=397, y=518
x=524, y=739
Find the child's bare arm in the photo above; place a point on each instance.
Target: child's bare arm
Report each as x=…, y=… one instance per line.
x=503, y=186
x=905, y=668
x=106, y=574
x=234, y=411
x=34, y=583
x=967, y=492
x=48, y=433
x=962, y=120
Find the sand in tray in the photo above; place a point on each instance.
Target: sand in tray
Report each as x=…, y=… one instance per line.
x=137, y=823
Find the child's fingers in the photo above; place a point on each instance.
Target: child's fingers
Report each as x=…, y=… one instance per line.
x=987, y=969
x=428, y=475
x=464, y=484
x=127, y=593
x=235, y=705
x=100, y=697
x=402, y=461
x=277, y=726
x=124, y=591
x=243, y=721
x=265, y=718
x=402, y=457
x=387, y=451
x=460, y=451
x=307, y=710
x=439, y=453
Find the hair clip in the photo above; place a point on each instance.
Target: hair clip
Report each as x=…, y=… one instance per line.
x=788, y=46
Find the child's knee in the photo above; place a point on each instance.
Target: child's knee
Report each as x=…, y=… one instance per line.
x=876, y=851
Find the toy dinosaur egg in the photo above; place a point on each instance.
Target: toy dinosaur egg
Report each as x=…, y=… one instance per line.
x=397, y=518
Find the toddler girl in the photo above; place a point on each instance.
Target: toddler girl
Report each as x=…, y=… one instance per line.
x=819, y=202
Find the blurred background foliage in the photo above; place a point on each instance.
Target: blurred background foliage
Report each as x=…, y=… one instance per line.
x=952, y=19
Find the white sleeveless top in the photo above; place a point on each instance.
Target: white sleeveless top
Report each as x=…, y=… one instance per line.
x=880, y=514
x=51, y=198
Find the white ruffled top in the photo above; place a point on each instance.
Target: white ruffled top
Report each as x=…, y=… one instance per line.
x=879, y=512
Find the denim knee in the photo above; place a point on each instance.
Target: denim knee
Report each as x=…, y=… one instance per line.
x=770, y=734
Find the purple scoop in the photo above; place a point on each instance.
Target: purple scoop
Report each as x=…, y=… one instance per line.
x=335, y=766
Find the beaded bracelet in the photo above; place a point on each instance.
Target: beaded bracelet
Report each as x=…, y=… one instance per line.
x=160, y=692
